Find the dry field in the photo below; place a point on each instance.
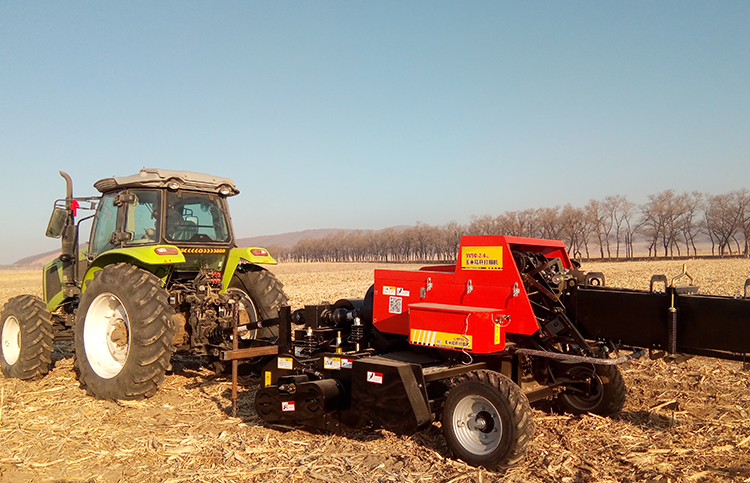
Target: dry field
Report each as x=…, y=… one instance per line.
x=681, y=423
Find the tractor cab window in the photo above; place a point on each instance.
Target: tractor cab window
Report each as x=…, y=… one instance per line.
x=104, y=227
x=142, y=216
x=195, y=217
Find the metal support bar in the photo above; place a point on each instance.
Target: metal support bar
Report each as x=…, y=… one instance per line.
x=539, y=393
x=249, y=353
x=573, y=358
x=235, y=346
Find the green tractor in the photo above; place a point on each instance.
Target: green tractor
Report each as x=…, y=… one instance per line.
x=162, y=274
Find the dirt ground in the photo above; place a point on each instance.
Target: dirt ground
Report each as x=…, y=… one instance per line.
x=686, y=422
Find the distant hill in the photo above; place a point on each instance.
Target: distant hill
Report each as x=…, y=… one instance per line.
x=286, y=240
x=39, y=260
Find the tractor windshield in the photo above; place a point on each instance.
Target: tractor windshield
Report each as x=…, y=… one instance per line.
x=195, y=217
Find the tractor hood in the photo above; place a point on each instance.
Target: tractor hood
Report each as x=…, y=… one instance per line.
x=174, y=180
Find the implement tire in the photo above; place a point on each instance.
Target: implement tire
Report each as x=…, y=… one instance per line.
x=487, y=420
x=26, y=337
x=123, y=334
x=607, y=395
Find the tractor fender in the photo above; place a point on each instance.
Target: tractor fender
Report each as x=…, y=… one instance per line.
x=255, y=255
x=155, y=259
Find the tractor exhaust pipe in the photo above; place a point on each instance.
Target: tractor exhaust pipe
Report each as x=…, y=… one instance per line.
x=68, y=188
x=69, y=249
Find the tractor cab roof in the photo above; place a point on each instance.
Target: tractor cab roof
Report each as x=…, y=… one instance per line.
x=173, y=180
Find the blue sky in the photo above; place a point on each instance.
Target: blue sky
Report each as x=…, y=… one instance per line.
x=372, y=114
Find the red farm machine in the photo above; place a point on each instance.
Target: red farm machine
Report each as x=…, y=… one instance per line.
x=471, y=344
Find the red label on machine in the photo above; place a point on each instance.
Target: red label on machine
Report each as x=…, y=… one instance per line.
x=287, y=406
x=375, y=377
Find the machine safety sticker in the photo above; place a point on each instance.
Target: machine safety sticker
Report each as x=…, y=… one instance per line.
x=444, y=340
x=333, y=363
x=375, y=377
x=398, y=291
x=395, y=305
x=482, y=258
x=287, y=406
x=285, y=363
x=346, y=363
x=267, y=379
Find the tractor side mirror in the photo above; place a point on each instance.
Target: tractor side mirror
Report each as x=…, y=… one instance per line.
x=57, y=223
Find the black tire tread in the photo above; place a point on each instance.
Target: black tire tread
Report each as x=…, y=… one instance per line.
x=37, y=336
x=263, y=288
x=614, y=395
x=152, y=331
x=522, y=424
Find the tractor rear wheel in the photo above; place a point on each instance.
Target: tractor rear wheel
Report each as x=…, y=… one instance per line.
x=26, y=337
x=261, y=295
x=605, y=394
x=487, y=420
x=123, y=333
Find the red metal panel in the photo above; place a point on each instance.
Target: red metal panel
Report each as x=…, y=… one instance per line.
x=457, y=327
x=485, y=276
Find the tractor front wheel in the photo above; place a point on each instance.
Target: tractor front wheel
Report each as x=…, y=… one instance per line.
x=123, y=333
x=599, y=389
x=487, y=420
x=26, y=337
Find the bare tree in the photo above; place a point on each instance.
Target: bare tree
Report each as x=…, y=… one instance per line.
x=483, y=225
x=574, y=230
x=616, y=208
x=724, y=217
x=690, y=223
x=661, y=221
x=452, y=233
x=597, y=218
x=549, y=223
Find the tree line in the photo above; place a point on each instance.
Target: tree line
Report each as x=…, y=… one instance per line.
x=669, y=224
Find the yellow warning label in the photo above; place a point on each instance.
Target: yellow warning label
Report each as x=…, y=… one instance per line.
x=445, y=340
x=497, y=334
x=267, y=381
x=482, y=258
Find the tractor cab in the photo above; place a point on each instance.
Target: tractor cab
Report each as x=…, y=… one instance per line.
x=196, y=222
x=162, y=207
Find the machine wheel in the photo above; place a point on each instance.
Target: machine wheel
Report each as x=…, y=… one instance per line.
x=487, y=420
x=262, y=295
x=123, y=333
x=607, y=394
x=26, y=337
